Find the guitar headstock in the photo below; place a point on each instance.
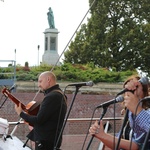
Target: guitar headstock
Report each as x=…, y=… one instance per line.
x=5, y=91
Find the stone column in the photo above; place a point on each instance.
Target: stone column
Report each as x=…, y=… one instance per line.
x=51, y=55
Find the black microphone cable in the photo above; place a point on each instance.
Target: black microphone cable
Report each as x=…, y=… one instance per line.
x=88, y=128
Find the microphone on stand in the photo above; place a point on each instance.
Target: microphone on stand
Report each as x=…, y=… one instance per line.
x=143, y=80
x=89, y=83
x=12, y=88
x=118, y=99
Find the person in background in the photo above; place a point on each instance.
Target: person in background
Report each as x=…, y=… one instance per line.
x=49, y=120
x=139, y=118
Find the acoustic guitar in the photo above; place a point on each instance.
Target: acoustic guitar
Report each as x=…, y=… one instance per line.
x=31, y=108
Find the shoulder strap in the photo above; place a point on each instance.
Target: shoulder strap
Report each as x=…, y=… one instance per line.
x=62, y=94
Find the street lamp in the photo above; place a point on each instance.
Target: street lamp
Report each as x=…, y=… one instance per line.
x=38, y=47
x=15, y=54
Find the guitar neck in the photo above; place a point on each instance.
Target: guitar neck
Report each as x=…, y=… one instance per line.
x=13, y=98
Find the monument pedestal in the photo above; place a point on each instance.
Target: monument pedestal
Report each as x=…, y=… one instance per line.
x=51, y=55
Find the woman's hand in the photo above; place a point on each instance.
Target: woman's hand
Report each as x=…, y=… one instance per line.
x=132, y=85
x=96, y=129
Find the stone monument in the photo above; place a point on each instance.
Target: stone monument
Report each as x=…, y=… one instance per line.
x=51, y=55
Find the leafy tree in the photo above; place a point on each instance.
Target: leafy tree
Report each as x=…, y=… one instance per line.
x=116, y=36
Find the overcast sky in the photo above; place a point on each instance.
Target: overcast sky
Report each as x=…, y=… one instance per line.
x=22, y=23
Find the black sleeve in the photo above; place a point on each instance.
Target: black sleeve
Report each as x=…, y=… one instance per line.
x=48, y=110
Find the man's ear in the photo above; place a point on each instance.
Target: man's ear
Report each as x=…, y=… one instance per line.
x=48, y=79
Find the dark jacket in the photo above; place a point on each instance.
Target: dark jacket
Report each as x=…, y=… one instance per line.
x=50, y=117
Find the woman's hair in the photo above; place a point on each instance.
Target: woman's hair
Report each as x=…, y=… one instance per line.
x=145, y=104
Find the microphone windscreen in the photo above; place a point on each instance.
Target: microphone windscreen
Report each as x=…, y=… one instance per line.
x=144, y=80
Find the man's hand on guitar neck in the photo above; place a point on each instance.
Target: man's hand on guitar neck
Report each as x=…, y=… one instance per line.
x=18, y=109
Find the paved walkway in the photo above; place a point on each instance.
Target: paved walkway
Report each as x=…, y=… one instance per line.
x=76, y=142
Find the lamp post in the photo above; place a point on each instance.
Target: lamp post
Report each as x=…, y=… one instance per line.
x=15, y=54
x=15, y=69
x=38, y=47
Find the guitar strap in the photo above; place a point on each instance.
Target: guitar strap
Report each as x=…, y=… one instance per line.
x=37, y=103
x=127, y=132
x=62, y=94
x=56, y=138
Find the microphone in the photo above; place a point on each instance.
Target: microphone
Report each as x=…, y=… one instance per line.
x=118, y=99
x=12, y=87
x=143, y=80
x=90, y=83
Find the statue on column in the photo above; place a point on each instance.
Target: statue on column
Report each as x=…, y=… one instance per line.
x=50, y=17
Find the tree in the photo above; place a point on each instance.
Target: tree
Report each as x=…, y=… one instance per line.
x=117, y=35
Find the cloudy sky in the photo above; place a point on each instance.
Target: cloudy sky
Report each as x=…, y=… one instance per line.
x=22, y=23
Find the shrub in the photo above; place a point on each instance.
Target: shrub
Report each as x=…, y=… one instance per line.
x=73, y=73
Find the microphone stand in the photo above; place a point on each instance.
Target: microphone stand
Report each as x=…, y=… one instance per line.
x=6, y=96
x=122, y=127
x=102, y=115
x=3, y=102
x=146, y=140
x=65, y=121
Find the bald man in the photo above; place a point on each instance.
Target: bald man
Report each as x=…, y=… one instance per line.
x=48, y=122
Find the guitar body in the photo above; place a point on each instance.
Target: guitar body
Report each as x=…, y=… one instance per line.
x=31, y=108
